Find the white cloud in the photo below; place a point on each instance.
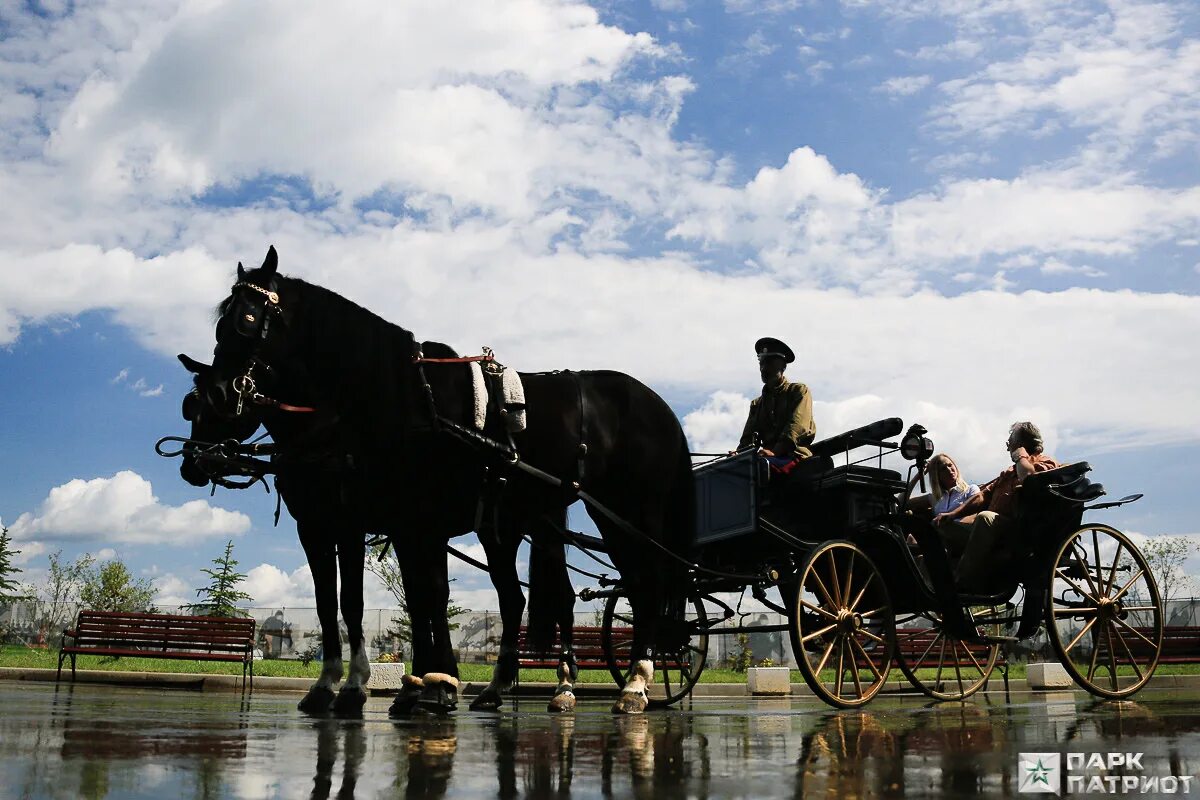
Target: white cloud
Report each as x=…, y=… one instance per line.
x=272, y=587
x=904, y=85
x=1123, y=71
x=761, y=6
x=1053, y=266
x=716, y=426
x=140, y=386
x=171, y=591
x=224, y=92
x=749, y=52
x=123, y=509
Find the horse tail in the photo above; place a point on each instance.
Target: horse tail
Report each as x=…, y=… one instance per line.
x=679, y=530
x=549, y=585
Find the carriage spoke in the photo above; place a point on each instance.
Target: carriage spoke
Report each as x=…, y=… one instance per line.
x=849, y=575
x=841, y=670
x=1125, y=588
x=824, y=657
x=1125, y=646
x=815, y=634
x=1086, y=628
x=870, y=635
x=1099, y=569
x=824, y=591
x=1140, y=608
x=1112, y=656
x=870, y=663
x=854, y=668
x=1095, y=655
x=937, y=680
x=858, y=598
x=970, y=655
x=818, y=609
x=1079, y=552
x=932, y=643
x=1077, y=587
x=1112, y=572
x=957, y=671
x=1134, y=631
x=1075, y=612
x=873, y=612
x=833, y=577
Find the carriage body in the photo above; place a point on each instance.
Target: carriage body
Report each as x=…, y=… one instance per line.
x=865, y=585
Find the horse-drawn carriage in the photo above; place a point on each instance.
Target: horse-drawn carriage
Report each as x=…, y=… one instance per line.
x=377, y=433
x=865, y=585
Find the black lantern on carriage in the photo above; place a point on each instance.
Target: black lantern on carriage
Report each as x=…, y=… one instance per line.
x=916, y=446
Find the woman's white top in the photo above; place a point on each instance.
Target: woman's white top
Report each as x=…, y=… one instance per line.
x=953, y=499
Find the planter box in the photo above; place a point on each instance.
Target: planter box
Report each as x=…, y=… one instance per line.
x=768, y=680
x=386, y=676
x=1048, y=675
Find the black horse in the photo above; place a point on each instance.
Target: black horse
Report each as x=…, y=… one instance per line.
x=317, y=481
x=407, y=425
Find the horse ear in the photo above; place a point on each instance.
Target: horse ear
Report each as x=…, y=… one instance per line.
x=271, y=262
x=192, y=365
x=241, y=272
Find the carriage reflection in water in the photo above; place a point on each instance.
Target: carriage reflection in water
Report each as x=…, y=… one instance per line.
x=865, y=585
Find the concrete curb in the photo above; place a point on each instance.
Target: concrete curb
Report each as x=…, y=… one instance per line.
x=232, y=683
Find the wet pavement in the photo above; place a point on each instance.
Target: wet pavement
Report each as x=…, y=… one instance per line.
x=95, y=741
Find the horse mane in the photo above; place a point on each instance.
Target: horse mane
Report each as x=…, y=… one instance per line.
x=360, y=362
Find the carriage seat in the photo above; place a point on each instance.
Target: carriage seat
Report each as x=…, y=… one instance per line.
x=1068, y=482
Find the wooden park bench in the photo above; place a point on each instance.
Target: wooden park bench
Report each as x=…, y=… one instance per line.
x=589, y=654
x=139, y=635
x=916, y=642
x=1180, y=645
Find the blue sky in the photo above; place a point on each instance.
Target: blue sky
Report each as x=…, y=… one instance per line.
x=961, y=213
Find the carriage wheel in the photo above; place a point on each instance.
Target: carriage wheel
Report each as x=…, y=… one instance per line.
x=676, y=673
x=940, y=665
x=1104, y=616
x=842, y=625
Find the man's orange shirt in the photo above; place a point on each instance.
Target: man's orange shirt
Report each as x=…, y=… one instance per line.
x=1001, y=492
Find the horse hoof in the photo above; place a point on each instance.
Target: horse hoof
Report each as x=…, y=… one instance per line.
x=317, y=701
x=488, y=700
x=630, y=703
x=349, y=702
x=439, y=695
x=562, y=702
x=404, y=705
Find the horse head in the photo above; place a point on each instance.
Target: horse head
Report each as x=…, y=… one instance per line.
x=211, y=414
x=251, y=336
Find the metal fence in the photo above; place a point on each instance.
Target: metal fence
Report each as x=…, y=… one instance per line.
x=295, y=633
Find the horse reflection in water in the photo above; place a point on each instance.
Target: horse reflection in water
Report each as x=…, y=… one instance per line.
x=430, y=748
x=355, y=747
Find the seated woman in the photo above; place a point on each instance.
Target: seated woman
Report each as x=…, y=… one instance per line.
x=949, y=490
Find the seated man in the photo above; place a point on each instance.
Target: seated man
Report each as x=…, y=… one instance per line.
x=976, y=530
x=782, y=416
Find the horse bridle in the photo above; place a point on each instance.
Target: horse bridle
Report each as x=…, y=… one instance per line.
x=244, y=384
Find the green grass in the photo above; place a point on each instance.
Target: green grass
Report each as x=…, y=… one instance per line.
x=19, y=656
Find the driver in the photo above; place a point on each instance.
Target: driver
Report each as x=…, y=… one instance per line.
x=781, y=416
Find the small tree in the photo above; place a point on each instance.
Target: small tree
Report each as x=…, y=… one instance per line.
x=10, y=589
x=60, y=592
x=112, y=587
x=221, y=596
x=1167, y=556
x=388, y=572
